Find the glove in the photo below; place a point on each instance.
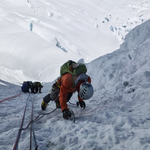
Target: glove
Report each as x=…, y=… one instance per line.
x=66, y=114
x=82, y=104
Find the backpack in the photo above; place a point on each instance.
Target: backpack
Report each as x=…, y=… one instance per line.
x=25, y=87
x=73, y=68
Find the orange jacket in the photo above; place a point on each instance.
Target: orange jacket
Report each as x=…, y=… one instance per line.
x=66, y=87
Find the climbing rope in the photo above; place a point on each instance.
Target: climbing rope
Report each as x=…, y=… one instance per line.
x=72, y=103
x=32, y=129
x=73, y=115
x=19, y=132
x=10, y=97
x=38, y=117
x=32, y=121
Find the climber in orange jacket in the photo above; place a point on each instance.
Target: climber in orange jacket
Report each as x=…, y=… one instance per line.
x=82, y=86
x=66, y=85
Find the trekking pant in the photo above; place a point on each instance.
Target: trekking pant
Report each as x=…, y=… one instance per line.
x=69, y=96
x=47, y=98
x=50, y=97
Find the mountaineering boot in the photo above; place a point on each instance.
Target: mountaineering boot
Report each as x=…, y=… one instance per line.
x=57, y=103
x=43, y=105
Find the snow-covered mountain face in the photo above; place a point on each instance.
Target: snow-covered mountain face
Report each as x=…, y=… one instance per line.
x=122, y=83
x=127, y=66
x=38, y=36
x=117, y=117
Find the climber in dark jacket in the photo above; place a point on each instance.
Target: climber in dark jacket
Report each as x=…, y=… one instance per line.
x=36, y=87
x=26, y=86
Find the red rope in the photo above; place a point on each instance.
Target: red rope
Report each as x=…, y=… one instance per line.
x=10, y=98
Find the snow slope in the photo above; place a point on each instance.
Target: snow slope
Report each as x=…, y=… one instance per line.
x=116, y=117
x=37, y=36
